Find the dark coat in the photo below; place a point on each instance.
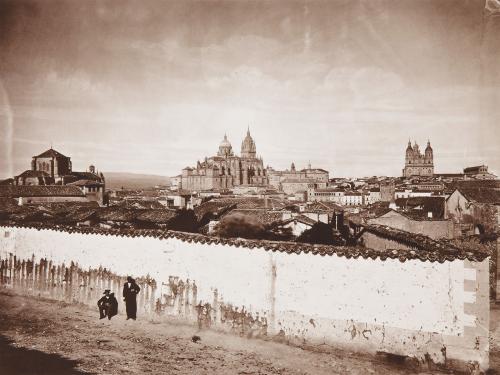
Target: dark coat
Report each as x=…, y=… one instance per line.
x=110, y=304
x=129, y=292
x=129, y=295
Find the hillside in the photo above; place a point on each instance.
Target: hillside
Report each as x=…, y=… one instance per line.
x=117, y=180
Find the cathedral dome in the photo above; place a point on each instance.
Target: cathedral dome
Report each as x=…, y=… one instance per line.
x=225, y=142
x=248, y=149
x=225, y=148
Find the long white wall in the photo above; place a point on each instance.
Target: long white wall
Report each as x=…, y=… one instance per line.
x=322, y=299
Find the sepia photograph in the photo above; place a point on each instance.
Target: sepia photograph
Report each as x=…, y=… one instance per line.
x=268, y=187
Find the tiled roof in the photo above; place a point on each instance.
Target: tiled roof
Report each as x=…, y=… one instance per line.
x=445, y=252
x=323, y=207
x=250, y=202
x=83, y=176
x=31, y=173
x=298, y=181
x=81, y=214
x=303, y=219
x=214, y=207
x=63, y=207
x=162, y=216
x=40, y=191
x=51, y=153
x=442, y=249
x=418, y=207
x=266, y=217
x=116, y=213
x=329, y=190
x=474, y=184
x=473, y=169
x=320, y=170
x=7, y=181
x=489, y=196
x=86, y=183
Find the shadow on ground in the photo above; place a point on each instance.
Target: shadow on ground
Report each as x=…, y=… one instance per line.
x=23, y=361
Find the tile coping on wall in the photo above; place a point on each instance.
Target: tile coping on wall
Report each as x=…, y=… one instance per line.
x=426, y=248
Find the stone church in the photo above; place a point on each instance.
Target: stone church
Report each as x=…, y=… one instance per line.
x=418, y=164
x=226, y=170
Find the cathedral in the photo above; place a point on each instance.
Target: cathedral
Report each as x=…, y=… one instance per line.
x=226, y=170
x=418, y=164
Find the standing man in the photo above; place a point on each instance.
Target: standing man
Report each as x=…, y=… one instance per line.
x=130, y=291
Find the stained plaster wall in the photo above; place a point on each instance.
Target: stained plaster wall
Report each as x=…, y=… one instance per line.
x=414, y=308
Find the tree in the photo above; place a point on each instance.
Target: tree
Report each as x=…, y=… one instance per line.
x=240, y=225
x=184, y=221
x=321, y=233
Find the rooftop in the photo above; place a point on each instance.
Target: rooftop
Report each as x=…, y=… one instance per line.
x=51, y=153
x=489, y=196
x=30, y=173
x=15, y=191
x=264, y=216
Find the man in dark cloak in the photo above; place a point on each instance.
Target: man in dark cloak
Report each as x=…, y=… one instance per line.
x=108, y=305
x=130, y=291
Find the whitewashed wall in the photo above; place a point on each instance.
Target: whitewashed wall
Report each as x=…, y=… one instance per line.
x=411, y=308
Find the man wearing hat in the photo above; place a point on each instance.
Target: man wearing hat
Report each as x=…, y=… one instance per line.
x=108, y=305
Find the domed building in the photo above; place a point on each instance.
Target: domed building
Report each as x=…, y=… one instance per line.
x=418, y=164
x=226, y=170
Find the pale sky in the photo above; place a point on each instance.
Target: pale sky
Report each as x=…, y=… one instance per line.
x=151, y=87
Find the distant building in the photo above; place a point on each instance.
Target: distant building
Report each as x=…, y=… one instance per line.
x=373, y=196
x=418, y=164
x=226, y=170
x=479, y=173
x=55, y=164
x=432, y=227
x=32, y=194
x=175, y=182
x=291, y=186
x=53, y=168
x=318, y=176
x=326, y=195
x=387, y=192
x=475, y=209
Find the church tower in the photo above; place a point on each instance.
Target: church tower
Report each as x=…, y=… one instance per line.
x=248, y=149
x=418, y=164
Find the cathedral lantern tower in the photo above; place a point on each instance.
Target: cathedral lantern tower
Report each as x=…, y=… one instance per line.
x=248, y=149
x=225, y=148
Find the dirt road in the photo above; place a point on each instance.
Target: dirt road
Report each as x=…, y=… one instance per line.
x=45, y=337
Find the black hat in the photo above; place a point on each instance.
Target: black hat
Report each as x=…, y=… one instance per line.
x=107, y=291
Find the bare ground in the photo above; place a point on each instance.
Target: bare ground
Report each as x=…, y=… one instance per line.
x=39, y=336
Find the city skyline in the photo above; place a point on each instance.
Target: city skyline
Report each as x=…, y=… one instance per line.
x=343, y=85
